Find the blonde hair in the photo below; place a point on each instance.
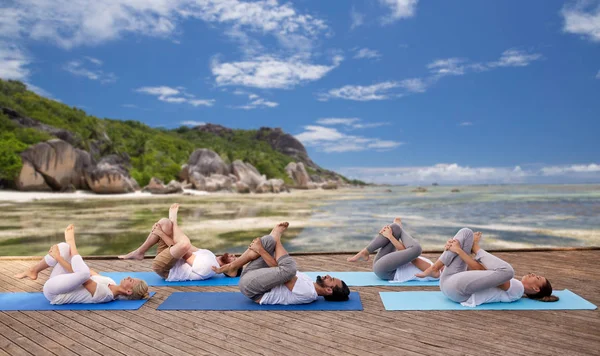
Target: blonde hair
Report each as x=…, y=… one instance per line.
x=139, y=291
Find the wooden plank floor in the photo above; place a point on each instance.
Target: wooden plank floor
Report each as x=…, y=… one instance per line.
x=372, y=331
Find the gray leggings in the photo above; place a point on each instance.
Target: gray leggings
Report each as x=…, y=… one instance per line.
x=258, y=278
x=458, y=284
x=388, y=259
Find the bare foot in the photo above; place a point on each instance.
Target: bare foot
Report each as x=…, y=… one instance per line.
x=279, y=229
x=429, y=272
x=227, y=269
x=29, y=273
x=133, y=255
x=361, y=255
x=70, y=235
x=173, y=213
x=398, y=221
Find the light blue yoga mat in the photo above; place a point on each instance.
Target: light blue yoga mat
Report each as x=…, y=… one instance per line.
x=155, y=280
x=237, y=301
x=365, y=279
x=352, y=279
x=435, y=300
x=37, y=301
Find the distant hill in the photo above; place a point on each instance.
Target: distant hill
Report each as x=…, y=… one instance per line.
x=27, y=118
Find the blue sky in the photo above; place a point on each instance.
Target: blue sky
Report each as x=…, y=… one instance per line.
x=389, y=91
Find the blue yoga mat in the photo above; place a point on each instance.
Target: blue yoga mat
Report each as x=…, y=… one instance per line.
x=352, y=279
x=37, y=301
x=365, y=279
x=155, y=280
x=237, y=301
x=435, y=300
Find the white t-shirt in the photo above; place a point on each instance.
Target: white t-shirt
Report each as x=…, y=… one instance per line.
x=303, y=292
x=407, y=273
x=200, y=270
x=103, y=294
x=492, y=295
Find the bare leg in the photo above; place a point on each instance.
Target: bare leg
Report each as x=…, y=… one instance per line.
x=158, y=232
x=32, y=272
x=70, y=239
x=182, y=242
x=250, y=255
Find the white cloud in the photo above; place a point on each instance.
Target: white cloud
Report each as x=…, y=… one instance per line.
x=175, y=95
x=367, y=53
x=576, y=168
x=257, y=103
x=456, y=174
x=598, y=75
x=78, y=68
x=353, y=122
x=439, y=69
x=357, y=19
x=193, y=123
x=13, y=62
x=338, y=121
x=96, y=61
x=379, y=91
x=328, y=139
x=130, y=106
x=400, y=9
x=581, y=19
x=414, y=85
x=448, y=66
x=466, y=123
x=268, y=72
x=71, y=23
x=515, y=58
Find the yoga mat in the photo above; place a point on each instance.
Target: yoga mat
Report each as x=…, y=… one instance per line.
x=37, y=301
x=365, y=279
x=352, y=279
x=435, y=300
x=237, y=301
x=155, y=280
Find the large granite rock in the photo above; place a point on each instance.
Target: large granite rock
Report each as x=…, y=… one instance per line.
x=271, y=186
x=329, y=185
x=207, y=163
x=156, y=186
x=298, y=173
x=247, y=174
x=111, y=176
x=53, y=165
x=211, y=184
x=285, y=143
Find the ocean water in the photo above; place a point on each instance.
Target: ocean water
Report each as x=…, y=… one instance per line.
x=511, y=216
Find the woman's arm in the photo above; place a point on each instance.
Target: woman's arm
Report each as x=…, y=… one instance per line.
x=473, y=265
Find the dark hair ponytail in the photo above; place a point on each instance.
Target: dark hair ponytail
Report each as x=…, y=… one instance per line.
x=545, y=293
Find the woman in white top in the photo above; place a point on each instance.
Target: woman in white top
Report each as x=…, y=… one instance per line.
x=72, y=281
x=399, y=257
x=488, y=280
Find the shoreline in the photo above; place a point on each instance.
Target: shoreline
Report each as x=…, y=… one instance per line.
x=15, y=196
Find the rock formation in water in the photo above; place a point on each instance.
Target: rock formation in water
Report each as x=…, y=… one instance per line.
x=111, y=176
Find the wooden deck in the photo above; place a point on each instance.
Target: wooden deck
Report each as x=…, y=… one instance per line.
x=372, y=331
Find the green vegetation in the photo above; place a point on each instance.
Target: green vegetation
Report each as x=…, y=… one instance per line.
x=153, y=152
